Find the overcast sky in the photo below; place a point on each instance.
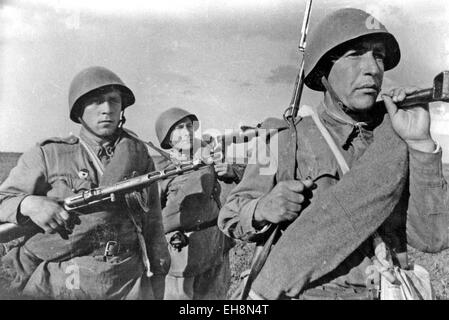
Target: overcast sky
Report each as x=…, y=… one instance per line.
x=230, y=62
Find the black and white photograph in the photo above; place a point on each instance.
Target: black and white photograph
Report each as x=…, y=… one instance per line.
x=224, y=150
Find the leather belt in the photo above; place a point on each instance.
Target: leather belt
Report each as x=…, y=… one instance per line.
x=114, y=248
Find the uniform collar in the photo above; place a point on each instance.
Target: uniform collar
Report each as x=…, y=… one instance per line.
x=344, y=129
x=98, y=145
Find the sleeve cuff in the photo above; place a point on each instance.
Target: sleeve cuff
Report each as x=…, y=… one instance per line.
x=13, y=211
x=247, y=217
x=426, y=166
x=20, y=218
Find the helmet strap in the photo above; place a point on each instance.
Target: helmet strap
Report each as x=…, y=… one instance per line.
x=336, y=101
x=122, y=119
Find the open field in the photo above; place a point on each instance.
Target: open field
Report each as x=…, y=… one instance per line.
x=437, y=264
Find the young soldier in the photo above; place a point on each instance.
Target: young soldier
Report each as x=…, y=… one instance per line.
x=394, y=187
x=95, y=254
x=190, y=204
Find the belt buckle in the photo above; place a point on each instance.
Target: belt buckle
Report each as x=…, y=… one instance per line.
x=111, y=249
x=179, y=240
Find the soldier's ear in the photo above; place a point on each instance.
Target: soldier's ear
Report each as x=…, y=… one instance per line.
x=168, y=139
x=122, y=118
x=81, y=108
x=80, y=111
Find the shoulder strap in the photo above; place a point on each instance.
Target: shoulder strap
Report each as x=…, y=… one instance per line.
x=309, y=111
x=67, y=140
x=381, y=259
x=96, y=162
x=287, y=170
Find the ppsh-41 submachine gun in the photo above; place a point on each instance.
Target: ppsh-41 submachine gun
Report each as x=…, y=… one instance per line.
x=128, y=190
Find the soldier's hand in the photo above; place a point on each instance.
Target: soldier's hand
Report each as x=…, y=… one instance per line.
x=209, y=140
x=48, y=215
x=412, y=123
x=283, y=203
x=224, y=170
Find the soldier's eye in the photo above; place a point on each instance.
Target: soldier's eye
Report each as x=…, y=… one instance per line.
x=94, y=100
x=115, y=100
x=379, y=56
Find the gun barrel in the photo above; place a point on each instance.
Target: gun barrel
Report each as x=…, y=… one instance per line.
x=305, y=26
x=299, y=82
x=98, y=195
x=245, y=135
x=239, y=136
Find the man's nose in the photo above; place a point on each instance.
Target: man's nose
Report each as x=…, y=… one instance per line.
x=106, y=107
x=370, y=65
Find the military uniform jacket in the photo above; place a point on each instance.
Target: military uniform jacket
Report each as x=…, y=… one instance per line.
x=58, y=168
x=398, y=191
x=190, y=204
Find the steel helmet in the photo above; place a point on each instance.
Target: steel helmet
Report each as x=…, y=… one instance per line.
x=167, y=120
x=88, y=81
x=336, y=30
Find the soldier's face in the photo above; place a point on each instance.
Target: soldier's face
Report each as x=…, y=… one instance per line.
x=357, y=75
x=102, y=112
x=181, y=136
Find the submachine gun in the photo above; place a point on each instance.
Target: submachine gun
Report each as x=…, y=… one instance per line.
x=129, y=190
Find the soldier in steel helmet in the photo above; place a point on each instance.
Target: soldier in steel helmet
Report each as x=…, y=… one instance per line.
x=199, y=251
x=100, y=253
x=366, y=179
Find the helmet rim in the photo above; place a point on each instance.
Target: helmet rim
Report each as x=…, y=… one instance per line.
x=166, y=122
x=91, y=81
x=126, y=94
x=339, y=29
